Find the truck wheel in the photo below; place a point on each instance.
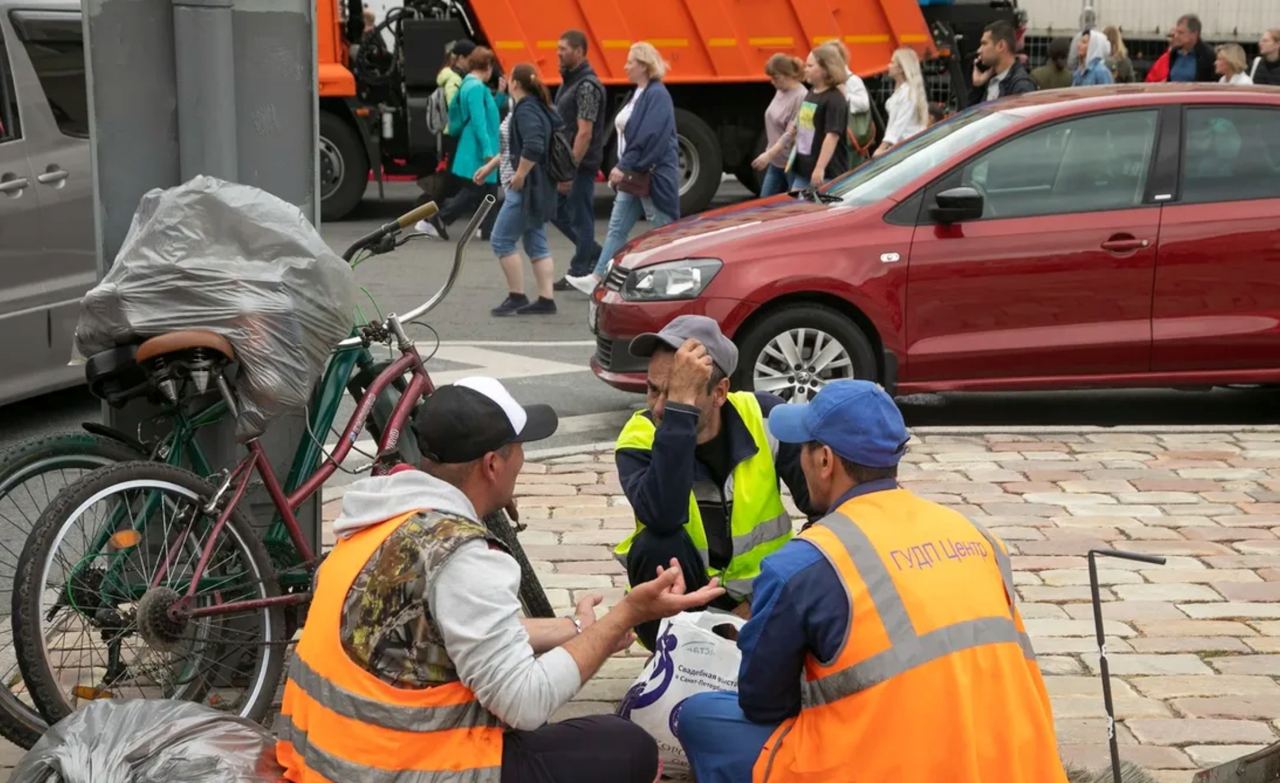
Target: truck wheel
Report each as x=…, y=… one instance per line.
x=344, y=167
x=700, y=162
x=795, y=351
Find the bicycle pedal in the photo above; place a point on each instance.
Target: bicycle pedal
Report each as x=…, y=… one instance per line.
x=90, y=693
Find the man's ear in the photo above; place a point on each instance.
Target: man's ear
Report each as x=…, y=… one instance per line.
x=720, y=392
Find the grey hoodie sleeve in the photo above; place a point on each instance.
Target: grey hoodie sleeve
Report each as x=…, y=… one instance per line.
x=475, y=604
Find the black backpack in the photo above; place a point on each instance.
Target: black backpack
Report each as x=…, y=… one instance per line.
x=560, y=165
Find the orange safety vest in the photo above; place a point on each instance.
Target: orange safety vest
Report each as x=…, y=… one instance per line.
x=936, y=678
x=341, y=723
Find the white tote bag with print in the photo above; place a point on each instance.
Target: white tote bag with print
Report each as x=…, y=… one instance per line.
x=690, y=658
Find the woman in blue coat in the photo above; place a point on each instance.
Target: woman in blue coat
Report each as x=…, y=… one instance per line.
x=1092, y=50
x=646, y=128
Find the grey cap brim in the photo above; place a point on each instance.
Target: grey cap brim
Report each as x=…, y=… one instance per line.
x=643, y=346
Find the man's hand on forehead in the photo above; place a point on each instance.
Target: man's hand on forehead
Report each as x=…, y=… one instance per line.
x=691, y=373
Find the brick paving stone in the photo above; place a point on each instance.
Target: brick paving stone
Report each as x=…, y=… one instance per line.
x=1193, y=548
x=1097, y=755
x=1058, y=594
x=1174, y=485
x=1053, y=665
x=1031, y=611
x=1243, y=561
x=1050, y=627
x=1122, y=664
x=1184, y=686
x=1175, y=731
x=1271, y=547
x=1212, y=755
x=1078, y=576
x=1166, y=592
x=1248, y=664
x=1240, y=706
x=1259, y=591
x=1129, y=611
x=1231, y=609
x=1193, y=628
x=1269, y=574
x=1091, y=706
x=1186, y=644
x=1227, y=534
x=1072, y=731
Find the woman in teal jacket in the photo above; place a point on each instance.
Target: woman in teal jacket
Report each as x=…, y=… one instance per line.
x=473, y=121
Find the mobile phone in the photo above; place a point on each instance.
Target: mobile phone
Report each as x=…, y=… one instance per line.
x=980, y=65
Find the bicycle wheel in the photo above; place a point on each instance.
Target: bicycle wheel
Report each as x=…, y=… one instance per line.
x=99, y=574
x=31, y=476
x=532, y=596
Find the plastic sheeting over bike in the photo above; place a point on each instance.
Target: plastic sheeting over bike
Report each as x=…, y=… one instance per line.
x=151, y=741
x=237, y=261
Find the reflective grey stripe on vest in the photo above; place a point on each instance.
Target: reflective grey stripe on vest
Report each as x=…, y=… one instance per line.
x=762, y=533
x=340, y=770
x=908, y=649
x=388, y=716
x=1006, y=573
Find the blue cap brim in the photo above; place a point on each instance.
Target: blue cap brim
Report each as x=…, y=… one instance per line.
x=787, y=423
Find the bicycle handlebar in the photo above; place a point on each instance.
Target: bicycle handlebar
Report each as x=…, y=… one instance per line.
x=420, y=212
x=459, y=253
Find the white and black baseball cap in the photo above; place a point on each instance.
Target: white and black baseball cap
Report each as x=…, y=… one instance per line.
x=469, y=418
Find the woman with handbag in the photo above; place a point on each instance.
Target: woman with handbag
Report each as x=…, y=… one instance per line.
x=908, y=107
x=530, y=196
x=646, y=177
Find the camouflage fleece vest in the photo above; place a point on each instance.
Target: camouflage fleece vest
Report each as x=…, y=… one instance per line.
x=387, y=627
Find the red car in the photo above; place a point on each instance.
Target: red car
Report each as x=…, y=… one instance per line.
x=1093, y=237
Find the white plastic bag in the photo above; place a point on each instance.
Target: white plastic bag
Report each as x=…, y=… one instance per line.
x=690, y=658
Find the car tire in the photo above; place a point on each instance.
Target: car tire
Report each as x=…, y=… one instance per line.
x=344, y=167
x=812, y=329
x=700, y=164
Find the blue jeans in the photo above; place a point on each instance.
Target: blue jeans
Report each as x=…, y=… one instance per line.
x=722, y=745
x=799, y=183
x=626, y=211
x=576, y=219
x=511, y=226
x=775, y=182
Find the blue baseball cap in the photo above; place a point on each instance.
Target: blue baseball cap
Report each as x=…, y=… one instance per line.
x=857, y=419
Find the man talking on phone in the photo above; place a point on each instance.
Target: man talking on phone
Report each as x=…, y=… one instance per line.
x=996, y=70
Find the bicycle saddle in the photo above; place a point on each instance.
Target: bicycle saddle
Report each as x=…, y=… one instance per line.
x=173, y=342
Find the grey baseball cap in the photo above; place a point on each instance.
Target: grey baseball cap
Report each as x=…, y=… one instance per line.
x=698, y=327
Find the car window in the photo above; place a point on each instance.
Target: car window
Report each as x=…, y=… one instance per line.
x=882, y=176
x=1230, y=154
x=1089, y=164
x=55, y=44
x=10, y=129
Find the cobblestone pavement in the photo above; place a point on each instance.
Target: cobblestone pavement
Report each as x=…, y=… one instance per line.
x=1194, y=645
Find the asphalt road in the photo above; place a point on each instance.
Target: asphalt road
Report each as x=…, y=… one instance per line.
x=544, y=359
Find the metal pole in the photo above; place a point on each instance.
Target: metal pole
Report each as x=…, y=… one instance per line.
x=1102, y=644
x=204, y=43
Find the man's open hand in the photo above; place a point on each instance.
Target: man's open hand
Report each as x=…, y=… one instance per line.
x=665, y=596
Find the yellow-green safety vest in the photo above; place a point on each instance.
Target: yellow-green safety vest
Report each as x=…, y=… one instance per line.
x=759, y=524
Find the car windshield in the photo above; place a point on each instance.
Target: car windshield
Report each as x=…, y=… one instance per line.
x=882, y=176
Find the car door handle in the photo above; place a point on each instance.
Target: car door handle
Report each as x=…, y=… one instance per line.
x=1125, y=244
x=14, y=185
x=53, y=177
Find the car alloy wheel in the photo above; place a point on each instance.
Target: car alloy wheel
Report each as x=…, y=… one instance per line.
x=798, y=362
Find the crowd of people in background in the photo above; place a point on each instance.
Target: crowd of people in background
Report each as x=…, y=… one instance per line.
x=819, y=124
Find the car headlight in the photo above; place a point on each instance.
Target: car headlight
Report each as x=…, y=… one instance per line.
x=683, y=279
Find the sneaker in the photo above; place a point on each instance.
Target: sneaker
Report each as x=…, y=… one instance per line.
x=510, y=305
x=562, y=285
x=586, y=283
x=543, y=306
x=432, y=227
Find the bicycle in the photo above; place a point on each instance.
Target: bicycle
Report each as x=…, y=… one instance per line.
x=99, y=589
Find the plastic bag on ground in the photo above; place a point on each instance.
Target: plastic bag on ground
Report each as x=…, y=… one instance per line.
x=234, y=260
x=151, y=741
x=690, y=658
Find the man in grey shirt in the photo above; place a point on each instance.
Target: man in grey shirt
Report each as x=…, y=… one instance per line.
x=437, y=604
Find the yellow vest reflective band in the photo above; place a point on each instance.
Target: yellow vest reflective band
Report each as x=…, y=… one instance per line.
x=936, y=679
x=341, y=723
x=759, y=524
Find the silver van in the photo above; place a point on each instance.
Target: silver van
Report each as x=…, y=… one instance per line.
x=47, y=257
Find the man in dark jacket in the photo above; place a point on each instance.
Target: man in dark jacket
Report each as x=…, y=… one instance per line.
x=996, y=70
x=1190, y=59
x=580, y=101
x=699, y=468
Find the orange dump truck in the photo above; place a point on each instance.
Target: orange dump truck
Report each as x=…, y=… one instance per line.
x=373, y=104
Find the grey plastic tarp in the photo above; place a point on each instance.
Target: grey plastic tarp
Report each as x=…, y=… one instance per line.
x=234, y=260
x=151, y=741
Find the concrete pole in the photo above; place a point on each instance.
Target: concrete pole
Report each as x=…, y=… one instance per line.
x=185, y=87
x=204, y=45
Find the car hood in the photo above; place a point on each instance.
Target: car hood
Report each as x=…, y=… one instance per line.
x=714, y=233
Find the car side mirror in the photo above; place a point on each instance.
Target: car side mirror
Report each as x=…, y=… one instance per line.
x=956, y=205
